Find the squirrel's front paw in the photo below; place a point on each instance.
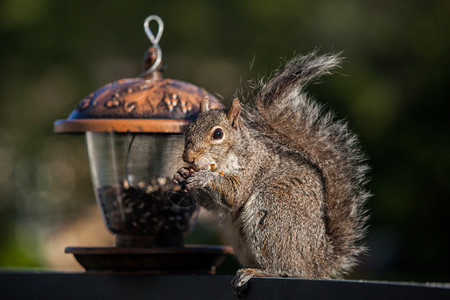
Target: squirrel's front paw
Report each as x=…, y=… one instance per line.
x=188, y=179
x=180, y=177
x=198, y=179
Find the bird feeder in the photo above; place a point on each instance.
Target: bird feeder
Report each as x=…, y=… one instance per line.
x=133, y=129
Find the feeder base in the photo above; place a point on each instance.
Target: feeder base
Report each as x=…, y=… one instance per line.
x=158, y=260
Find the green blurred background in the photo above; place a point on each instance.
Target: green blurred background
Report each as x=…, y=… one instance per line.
x=393, y=89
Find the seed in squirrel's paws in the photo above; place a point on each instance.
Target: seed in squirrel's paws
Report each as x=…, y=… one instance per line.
x=191, y=170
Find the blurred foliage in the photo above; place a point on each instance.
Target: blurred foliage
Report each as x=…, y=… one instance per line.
x=392, y=88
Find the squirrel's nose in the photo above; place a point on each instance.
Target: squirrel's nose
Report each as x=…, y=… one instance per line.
x=188, y=157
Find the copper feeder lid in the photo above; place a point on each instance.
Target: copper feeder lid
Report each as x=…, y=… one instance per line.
x=148, y=103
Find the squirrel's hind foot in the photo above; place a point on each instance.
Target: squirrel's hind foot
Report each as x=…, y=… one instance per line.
x=240, y=281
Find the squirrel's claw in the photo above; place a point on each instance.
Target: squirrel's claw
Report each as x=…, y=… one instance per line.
x=184, y=172
x=180, y=177
x=240, y=281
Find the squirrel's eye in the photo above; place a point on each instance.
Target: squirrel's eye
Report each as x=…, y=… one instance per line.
x=217, y=134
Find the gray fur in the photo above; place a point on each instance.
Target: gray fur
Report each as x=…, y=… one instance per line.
x=289, y=181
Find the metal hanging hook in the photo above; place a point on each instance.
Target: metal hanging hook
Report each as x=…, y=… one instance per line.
x=154, y=40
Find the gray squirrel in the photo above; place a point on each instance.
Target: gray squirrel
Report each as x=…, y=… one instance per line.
x=285, y=179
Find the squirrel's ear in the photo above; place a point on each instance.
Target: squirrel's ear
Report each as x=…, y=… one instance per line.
x=204, y=104
x=234, y=112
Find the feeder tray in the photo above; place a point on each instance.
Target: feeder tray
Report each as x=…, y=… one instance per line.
x=169, y=260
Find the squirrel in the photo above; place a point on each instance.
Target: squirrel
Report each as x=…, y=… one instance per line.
x=284, y=177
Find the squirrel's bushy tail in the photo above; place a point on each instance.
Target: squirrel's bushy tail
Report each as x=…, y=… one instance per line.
x=292, y=119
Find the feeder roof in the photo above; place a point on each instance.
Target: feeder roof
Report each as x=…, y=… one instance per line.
x=144, y=104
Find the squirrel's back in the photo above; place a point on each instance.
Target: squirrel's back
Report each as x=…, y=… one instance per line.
x=285, y=114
